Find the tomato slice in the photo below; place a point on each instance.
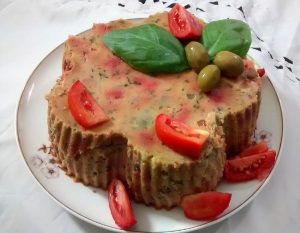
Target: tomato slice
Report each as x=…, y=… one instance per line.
x=249, y=167
x=205, y=206
x=84, y=107
x=183, y=24
x=119, y=204
x=254, y=149
x=180, y=137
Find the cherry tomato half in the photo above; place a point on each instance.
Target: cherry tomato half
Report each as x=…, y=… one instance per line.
x=183, y=24
x=205, y=206
x=119, y=204
x=180, y=137
x=261, y=72
x=249, y=167
x=84, y=107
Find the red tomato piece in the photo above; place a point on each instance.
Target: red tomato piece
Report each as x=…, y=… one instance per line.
x=261, y=72
x=183, y=24
x=84, y=107
x=249, y=167
x=254, y=149
x=119, y=204
x=180, y=137
x=205, y=206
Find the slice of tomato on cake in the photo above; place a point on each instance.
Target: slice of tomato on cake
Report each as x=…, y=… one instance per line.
x=180, y=137
x=183, y=24
x=84, y=107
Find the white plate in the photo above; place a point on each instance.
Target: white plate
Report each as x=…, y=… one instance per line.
x=90, y=204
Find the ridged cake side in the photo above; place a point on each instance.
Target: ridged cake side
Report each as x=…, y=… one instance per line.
x=239, y=127
x=96, y=159
x=163, y=184
x=86, y=157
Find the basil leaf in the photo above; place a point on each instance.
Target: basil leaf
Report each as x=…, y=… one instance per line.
x=227, y=34
x=148, y=48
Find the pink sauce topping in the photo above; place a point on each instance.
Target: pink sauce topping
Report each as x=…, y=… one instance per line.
x=218, y=95
x=183, y=115
x=146, y=138
x=115, y=93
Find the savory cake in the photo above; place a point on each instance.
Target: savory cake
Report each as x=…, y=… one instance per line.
x=126, y=146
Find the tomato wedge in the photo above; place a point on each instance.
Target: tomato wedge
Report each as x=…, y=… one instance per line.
x=249, y=167
x=254, y=149
x=180, y=137
x=84, y=107
x=119, y=204
x=183, y=24
x=205, y=206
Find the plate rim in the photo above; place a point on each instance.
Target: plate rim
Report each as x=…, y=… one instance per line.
x=112, y=228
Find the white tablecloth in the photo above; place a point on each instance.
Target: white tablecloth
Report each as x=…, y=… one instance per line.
x=30, y=29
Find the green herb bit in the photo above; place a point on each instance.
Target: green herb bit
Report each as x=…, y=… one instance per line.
x=92, y=40
x=102, y=75
x=190, y=96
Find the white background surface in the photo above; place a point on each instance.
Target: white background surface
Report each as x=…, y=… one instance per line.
x=30, y=29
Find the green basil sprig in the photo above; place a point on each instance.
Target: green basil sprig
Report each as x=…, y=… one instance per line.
x=227, y=34
x=148, y=48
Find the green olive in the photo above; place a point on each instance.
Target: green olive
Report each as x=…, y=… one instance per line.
x=196, y=55
x=230, y=64
x=209, y=77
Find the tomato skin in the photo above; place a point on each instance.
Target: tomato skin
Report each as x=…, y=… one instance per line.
x=183, y=24
x=261, y=72
x=205, y=206
x=180, y=137
x=254, y=149
x=249, y=167
x=119, y=204
x=84, y=107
